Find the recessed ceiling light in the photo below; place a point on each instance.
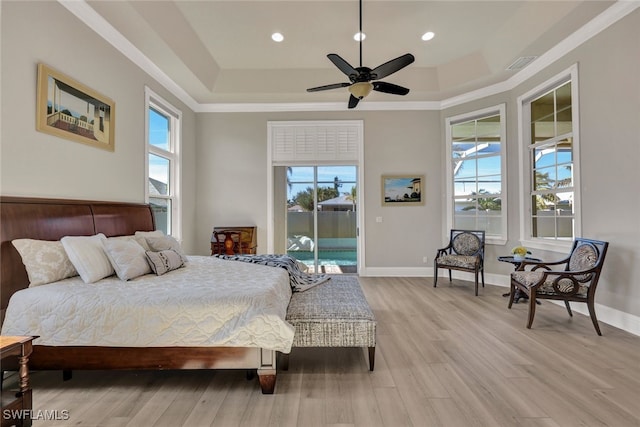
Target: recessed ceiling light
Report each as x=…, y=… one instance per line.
x=428, y=36
x=277, y=37
x=359, y=36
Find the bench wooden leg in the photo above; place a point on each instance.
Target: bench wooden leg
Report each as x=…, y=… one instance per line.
x=284, y=361
x=372, y=357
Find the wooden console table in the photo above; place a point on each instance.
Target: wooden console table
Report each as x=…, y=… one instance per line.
x=17, y=403
x=233, y=240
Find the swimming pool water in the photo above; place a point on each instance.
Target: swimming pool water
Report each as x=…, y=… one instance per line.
x=327, y=257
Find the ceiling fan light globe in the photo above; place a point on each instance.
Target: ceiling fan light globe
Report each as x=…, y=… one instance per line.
x=361, y=89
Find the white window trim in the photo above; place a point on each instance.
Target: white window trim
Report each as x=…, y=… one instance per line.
x=152, y=99
x=499, y=109
x=570, y=74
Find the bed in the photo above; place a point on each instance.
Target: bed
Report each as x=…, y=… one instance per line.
x=156, y=337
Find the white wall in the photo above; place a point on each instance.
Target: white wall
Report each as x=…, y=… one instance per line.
x=38, y=164
x=232, y=168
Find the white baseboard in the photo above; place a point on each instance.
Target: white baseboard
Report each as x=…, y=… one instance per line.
x=396, y=272
x=616, y=318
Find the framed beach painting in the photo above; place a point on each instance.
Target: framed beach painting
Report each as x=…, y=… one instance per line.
x=402, y=190
x=71, y=110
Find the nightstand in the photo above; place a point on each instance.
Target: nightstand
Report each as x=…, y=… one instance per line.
x=17, y=405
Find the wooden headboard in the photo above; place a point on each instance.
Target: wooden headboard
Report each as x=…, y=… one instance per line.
x=52, y=219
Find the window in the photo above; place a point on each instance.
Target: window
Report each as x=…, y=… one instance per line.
x=475, y=170
x=549, y=142
x=163, y=162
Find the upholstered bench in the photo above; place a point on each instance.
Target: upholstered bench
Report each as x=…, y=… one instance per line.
x=332, y=314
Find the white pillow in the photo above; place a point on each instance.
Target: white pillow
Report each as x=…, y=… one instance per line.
x=164, y=261
x=88, y=256
x=164, y=243
x=141, y=237
x=127, y=257
x=45, y=261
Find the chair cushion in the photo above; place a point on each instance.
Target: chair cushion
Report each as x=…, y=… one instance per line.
x=461, y=261
x=565, y=286
x=466, y=244
x=583, y=257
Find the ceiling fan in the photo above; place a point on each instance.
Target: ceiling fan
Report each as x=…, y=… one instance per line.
x=362, y=80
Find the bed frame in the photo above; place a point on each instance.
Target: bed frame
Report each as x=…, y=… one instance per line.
x=52, y=219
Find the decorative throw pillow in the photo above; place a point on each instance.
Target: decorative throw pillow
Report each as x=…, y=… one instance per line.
x=45, y=261
x=141, y=237
x=164, y=243
x=164, y=261
x=127, y=257
x=88, y=256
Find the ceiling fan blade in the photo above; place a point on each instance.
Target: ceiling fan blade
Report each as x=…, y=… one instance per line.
x=353, y=101
x=390, y=88
x=392, y=66
x=343, y=65
x=328, y=87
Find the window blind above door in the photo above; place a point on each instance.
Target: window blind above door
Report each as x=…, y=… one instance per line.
x=315, y=141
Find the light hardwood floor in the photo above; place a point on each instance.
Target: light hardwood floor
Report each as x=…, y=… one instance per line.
x=444, y=358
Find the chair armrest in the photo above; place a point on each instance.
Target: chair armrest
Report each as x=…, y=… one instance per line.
x=564, y=260
x=443, y=251
x=570, y=274
x=534, y=265
x=540, y=264
x=555, y=277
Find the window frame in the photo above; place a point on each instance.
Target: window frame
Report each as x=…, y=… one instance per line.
x=524, y=150
x=156, y=102
x=499, y=110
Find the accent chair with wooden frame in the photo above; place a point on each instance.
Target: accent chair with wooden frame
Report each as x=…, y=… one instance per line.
x=573, y=278
x=465, y=252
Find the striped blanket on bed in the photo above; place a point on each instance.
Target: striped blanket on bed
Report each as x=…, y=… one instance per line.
x=300, y=280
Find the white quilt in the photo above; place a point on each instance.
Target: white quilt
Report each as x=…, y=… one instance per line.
x=209, y=302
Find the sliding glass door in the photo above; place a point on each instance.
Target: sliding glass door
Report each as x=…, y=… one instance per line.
x=321, y=225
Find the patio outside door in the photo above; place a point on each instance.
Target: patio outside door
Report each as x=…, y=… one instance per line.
x=321, y=217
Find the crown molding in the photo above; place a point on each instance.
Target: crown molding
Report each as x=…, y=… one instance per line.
x=611, y=15
x=97, y=23
x=316, y=106
x=476, y=94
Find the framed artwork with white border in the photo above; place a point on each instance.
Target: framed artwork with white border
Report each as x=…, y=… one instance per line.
x=402, y=190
